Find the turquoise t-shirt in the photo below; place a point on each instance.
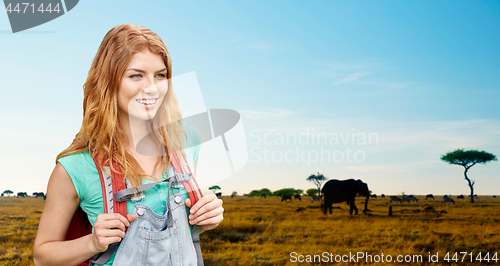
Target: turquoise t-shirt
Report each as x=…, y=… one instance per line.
x=83, y=172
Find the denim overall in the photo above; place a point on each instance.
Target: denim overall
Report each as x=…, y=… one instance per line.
x=154, y=239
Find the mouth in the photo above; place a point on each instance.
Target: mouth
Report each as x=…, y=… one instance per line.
x=148, y=103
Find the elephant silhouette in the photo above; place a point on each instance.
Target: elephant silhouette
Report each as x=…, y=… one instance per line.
x=337, y=191
x=429, y=196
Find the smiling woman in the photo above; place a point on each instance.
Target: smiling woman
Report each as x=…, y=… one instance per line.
x=142, y=87
x=128, y=97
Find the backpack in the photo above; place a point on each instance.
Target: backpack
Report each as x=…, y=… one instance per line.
x=113, y=189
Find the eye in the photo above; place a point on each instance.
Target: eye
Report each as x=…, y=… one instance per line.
x=161, y=75
x=136, y=75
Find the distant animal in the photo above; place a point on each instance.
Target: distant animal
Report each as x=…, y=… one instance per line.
x=447, y=199
x=429, y=209
x=38, y=194
x=494, y=196
x=232, y=195
x=337, y=191
x=218, y=194
x=373, y=196
x=460, y=197
x=316, y=198
x=263, y=195
x=409, y=199
x=394, y=198
x=286, y=197
x=1, y=195
x=22, y=194
x=429, y=196
x=300, y=209
x=247, y=195
x=297, y=196
x=382, y=196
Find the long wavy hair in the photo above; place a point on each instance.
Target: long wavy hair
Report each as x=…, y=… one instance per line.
x=101, y=130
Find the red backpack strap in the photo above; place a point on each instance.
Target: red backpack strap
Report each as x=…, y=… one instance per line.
x=191, y=186
x=111, y=185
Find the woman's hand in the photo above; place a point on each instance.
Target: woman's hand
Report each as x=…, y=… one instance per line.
x=110, y=228
x=207, y=212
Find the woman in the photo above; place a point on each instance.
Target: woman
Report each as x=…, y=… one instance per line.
x=128, y=99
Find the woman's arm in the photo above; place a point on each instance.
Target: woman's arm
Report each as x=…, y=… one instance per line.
x=62, y=201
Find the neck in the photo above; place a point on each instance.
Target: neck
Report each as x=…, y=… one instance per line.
x=135, y=129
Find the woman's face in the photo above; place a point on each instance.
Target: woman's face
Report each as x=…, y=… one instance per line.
x=142, y=87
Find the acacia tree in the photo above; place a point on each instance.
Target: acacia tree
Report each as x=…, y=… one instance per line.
x=214, y=188
x=8, y=192
x=467, y=159
x=317, y=180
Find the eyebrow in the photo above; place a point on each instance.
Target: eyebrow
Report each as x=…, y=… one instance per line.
x=142, y=71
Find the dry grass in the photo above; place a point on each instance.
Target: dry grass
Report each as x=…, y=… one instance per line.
x=265, y=231
x=19, y=219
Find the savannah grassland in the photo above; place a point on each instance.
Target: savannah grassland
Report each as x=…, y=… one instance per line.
x=265, y=231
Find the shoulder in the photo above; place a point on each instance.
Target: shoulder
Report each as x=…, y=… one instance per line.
x=80, y=162
x=79, y=166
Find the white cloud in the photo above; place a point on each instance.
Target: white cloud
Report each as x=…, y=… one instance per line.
x=361, y=74
x=260, y=45
x=351, y=78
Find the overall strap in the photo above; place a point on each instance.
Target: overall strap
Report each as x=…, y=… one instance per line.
x=126, y=194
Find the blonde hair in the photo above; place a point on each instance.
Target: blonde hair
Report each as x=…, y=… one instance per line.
x=101, y=130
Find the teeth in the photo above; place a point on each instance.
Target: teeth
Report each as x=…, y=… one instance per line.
x=142, y=101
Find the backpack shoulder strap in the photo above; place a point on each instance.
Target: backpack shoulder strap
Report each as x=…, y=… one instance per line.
x=191, y=186
x=194, y=193
x=109, y=185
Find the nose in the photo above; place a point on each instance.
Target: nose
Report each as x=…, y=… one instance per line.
x=150, y=86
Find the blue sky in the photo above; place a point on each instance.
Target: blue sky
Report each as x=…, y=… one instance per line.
x=423, y=76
